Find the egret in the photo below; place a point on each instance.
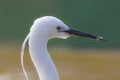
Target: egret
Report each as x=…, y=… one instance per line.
x=42, y=30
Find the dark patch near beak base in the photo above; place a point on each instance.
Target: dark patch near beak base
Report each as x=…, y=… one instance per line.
x=83, y=34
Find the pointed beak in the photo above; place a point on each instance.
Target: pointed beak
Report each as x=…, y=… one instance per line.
x=83, y=34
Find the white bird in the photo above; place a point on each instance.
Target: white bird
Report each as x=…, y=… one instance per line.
x=42, y=30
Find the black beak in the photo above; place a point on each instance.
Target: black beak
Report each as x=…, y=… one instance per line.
x=83, y=34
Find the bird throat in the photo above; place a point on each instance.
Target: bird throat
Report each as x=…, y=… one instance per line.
x=42, y=61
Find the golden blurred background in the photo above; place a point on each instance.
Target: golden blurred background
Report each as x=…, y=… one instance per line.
x=83, y=64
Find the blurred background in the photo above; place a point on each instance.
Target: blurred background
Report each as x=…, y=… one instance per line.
x=86, y=59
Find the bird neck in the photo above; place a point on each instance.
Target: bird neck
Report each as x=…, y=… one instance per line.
x=41, y=59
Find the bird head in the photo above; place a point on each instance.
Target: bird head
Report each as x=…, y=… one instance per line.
x=53, y=27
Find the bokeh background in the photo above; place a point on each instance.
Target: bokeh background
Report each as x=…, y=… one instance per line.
x=86, y=59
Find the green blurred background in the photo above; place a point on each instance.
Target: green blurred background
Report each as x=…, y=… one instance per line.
x=87, y=59
x=100, y=17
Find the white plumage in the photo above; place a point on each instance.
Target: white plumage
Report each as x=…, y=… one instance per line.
x=42, y=30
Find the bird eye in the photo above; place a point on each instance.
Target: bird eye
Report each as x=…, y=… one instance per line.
x=58, y=28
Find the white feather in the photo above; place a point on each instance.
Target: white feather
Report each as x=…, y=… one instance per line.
x=22, y=56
